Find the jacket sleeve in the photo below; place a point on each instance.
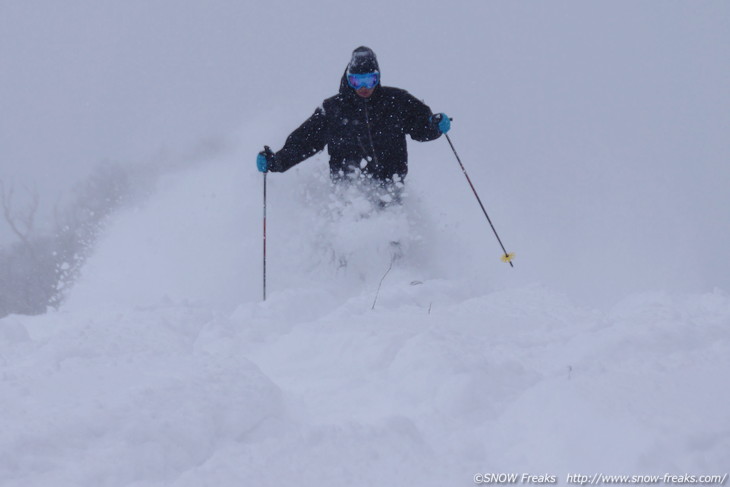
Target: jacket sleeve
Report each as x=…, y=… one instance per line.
x=303, y=143
x=418, y=119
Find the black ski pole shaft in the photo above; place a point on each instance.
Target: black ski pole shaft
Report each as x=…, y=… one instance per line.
x=264, y=239
x=264, y=236
x=507, y=256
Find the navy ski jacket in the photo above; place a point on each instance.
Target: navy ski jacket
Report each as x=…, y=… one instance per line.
x=362, y=135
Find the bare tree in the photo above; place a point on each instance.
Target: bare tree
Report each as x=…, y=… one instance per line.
x=28, y=270
x=21, y=220
x=38, y=270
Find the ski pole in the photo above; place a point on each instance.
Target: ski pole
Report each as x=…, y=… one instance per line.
x=267, y=149
x=507, y=257
x=264, y=236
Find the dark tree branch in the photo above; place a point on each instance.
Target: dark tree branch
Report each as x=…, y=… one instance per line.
x=17, y=218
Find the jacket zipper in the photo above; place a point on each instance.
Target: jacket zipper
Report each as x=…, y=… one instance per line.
x=370, y=135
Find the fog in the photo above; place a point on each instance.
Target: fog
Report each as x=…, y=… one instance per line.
x=597, y=132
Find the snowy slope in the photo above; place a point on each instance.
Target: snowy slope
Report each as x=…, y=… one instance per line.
x=596, y=133
x=165, y=368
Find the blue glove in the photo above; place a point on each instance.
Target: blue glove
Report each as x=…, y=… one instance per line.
x=443, y=122
x=263, y=160
x=261, y=163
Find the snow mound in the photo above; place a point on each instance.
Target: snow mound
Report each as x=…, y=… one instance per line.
x=369, y=364
x=125, y=398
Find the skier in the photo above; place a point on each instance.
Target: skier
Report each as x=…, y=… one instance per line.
x=364, y=128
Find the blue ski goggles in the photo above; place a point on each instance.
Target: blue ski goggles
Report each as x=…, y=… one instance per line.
x=367, y=80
